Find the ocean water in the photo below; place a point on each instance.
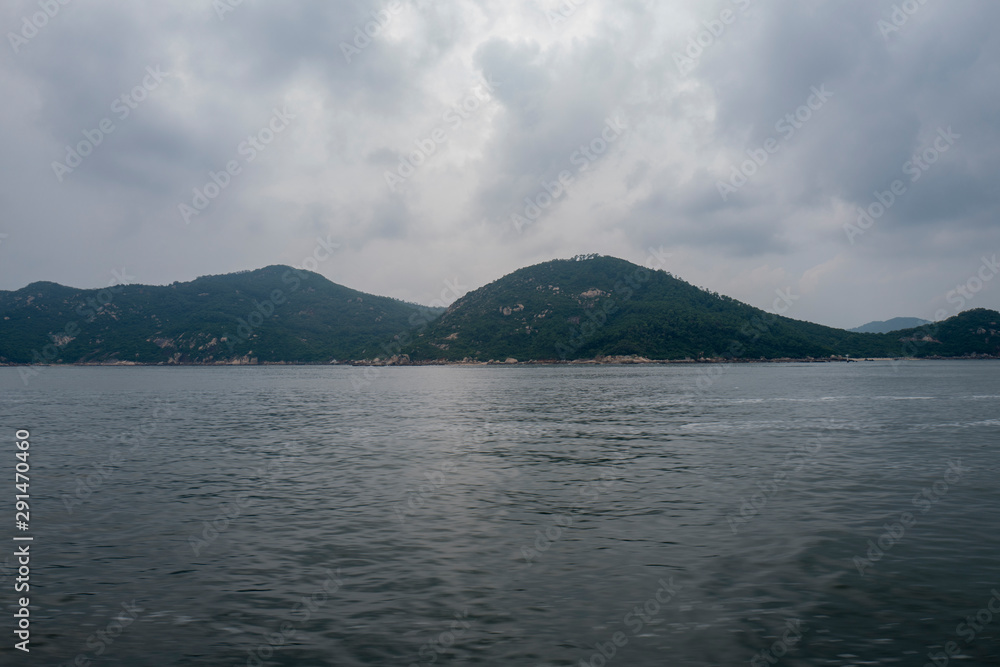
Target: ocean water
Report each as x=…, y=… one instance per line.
x=779, y=514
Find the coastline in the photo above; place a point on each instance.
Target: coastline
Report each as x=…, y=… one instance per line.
x=596, y=361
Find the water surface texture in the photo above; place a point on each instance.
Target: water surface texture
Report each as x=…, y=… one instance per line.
x=823, y=514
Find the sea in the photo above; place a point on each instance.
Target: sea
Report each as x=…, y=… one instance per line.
x=679, y=514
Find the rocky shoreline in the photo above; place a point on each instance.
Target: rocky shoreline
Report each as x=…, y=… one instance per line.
x=404, y=360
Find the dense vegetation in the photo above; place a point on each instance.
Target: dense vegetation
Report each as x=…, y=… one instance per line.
x=579, y=309
x=559, y=310
x=273, y=314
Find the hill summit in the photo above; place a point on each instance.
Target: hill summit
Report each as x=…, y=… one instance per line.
x=272, y=314
x=595, y=306
x=561, y=310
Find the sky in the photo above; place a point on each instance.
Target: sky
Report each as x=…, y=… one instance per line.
x=844, y=153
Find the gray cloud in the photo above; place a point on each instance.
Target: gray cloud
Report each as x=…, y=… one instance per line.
x=324, y=175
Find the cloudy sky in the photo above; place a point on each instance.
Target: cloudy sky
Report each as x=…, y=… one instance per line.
x=409, y=147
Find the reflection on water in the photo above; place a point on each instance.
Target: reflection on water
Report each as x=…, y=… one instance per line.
x=512, y=515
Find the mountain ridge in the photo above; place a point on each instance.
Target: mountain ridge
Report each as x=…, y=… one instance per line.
x=588, y=307
x=276, y=313
x=595, y=306
x=890, y=325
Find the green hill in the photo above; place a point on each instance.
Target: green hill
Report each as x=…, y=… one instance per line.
x=558, y=310
x=603, y=306
x=973, y=333
x=272, y=314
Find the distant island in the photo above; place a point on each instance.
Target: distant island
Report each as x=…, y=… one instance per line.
x=895, y=324
x=592, y=308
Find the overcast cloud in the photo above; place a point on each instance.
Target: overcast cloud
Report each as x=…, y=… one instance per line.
x=641, y=109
